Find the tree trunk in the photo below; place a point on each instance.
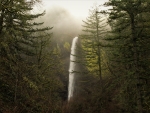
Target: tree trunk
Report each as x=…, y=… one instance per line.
x=136, y=65
x=99, y=52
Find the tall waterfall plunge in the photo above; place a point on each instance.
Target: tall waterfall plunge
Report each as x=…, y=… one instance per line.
x=73, y=67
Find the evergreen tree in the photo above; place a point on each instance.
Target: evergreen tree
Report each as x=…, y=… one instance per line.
x=130, y=41
x=19, y=35
x=91, y=40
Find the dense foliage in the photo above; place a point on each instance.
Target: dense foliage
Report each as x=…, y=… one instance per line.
x=29, y=79
x=126, y=48
x=113, y=61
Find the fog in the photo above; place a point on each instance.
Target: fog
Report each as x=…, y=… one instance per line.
x=65, y=25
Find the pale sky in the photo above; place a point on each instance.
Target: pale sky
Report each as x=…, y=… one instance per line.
x=78, y=8
x=66, y=15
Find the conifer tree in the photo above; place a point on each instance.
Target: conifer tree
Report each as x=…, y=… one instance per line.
x=18, y=39
x=91, y=40
x=129, y=33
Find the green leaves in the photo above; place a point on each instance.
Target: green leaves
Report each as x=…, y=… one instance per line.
x=127, y=20
x=26, y=60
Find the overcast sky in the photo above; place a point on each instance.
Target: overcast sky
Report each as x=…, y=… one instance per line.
x=66, y=15
x=78, y=8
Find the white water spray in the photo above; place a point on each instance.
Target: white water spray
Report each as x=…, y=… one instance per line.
x=73, y=67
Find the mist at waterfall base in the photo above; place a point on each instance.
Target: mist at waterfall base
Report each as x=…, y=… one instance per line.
x=72, y=67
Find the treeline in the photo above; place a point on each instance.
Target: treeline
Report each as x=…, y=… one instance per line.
x=116, y=56
x=30, y=67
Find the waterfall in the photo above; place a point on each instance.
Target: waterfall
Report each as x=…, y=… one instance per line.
x=72, y=67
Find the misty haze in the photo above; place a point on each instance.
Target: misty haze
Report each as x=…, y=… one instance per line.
x=74, y=56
